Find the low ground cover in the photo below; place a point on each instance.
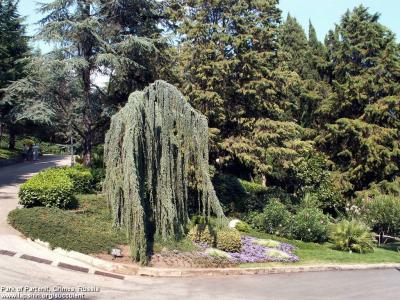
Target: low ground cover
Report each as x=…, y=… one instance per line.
x=86, y=229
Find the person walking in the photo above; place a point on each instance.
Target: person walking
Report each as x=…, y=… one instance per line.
x=35, y=152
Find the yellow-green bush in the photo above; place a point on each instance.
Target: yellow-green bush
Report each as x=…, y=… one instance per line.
x=81, y=177
x=201, y=234
x=229, y=240
x=50, y=188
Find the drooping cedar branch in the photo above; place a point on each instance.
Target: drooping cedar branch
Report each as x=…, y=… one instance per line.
x=156, y=151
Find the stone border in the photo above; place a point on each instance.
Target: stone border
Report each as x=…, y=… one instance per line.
x=126, y=269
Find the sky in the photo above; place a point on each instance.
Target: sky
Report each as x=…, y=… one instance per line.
x=322, y=13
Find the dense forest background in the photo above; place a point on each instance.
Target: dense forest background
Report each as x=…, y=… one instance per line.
x=302, y=118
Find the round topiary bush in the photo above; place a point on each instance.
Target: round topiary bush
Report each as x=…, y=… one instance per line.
x=229, y=240
x=50, y=188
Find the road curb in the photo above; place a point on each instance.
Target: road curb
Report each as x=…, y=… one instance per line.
x=125, y=269
x=60, y=265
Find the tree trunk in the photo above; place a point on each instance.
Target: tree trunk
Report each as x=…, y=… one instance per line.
x=87, y=53
x=263, y=180
x=11, y=142
x=87, y=150
x=1, y=133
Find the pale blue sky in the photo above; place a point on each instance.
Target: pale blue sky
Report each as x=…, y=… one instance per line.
x=323, y=13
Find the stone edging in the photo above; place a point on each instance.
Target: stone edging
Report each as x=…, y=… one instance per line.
x=127, y=269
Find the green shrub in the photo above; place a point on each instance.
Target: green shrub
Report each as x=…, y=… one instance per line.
x=252, y=187
x=310, y=225
x=50, y=188
x=98, y=175
x=243, y=226
x=28, y=142
x=230, y=193
x=229, y=240
x=274, y=219
x=352, y=236
x=202, y=235
x=382, y=213
x=81, y=177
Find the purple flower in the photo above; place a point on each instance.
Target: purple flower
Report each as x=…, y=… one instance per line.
x=252, y=252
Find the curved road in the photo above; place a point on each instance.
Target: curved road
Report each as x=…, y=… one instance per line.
x=16, y=273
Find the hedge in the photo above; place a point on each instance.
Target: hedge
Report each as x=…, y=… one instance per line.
x=81, y=177
x=51, y=188
x=56, y=187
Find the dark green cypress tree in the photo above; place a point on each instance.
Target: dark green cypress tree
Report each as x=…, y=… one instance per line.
x=363, y=138
x=294, y=45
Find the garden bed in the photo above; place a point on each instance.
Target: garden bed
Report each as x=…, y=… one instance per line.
x=88, y=229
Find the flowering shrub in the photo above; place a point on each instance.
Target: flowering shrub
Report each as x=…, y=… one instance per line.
x=382, y=213
x=310, y=225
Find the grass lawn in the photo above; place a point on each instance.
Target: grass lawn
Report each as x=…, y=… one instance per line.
x=312, y=253
x=6, y=153
x=87, y=229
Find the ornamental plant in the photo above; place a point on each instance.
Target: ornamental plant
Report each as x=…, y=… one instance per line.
x=310, y=225
x=50, y=188
x=274, y=219
x=382, y=213
x=228, y=240
x=202, y=235
x=81, y=178
x=352, y=235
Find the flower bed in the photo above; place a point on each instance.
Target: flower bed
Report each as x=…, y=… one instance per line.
x=253, y=252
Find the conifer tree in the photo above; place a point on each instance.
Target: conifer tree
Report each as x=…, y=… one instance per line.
x=13, y=48
x=363, y=139
x=232, y=73
x=294, y=45
x=92, y=38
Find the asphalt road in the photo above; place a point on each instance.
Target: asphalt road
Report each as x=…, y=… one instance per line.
x=16, y=273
